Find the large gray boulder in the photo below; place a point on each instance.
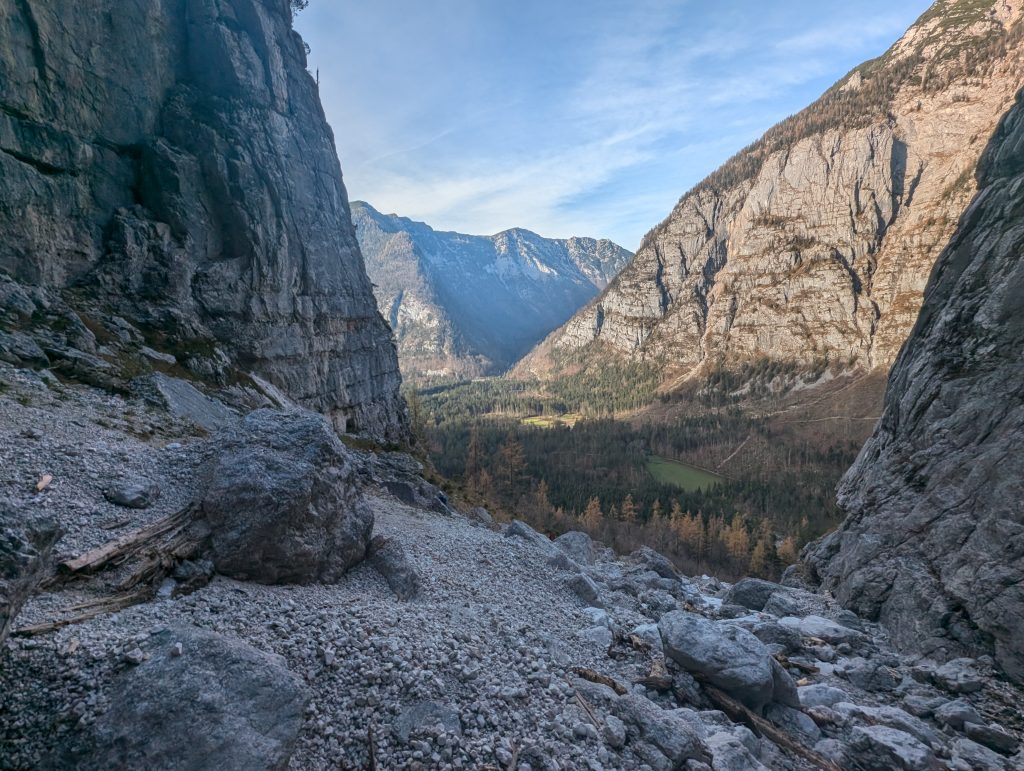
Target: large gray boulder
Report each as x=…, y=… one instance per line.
x=26, y=547
x=728, y=656
x=219, y=705
x=283, y=502
x=577, y=545
x=933, y=542
x=751, y=593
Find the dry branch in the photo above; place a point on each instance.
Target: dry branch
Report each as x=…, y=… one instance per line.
x=129, y=544
x=597, y=677
x=95, y=608
x=737, y=712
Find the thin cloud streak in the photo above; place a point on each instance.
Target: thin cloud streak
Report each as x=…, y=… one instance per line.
x=566, y=125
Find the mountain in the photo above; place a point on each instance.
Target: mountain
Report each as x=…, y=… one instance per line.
x=171, y=184
x=933, y=544
x=814, y=244
x=464, y=305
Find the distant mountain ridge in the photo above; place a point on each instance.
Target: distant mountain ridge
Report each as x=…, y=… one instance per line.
x=815, y=243
x=463, y=305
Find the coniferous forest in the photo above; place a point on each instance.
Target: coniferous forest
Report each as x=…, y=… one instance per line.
x=563, y=460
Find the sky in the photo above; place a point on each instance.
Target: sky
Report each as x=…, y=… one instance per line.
x=569, y=117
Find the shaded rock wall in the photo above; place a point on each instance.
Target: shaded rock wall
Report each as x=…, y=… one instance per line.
x=170, y=161
x=933, y=545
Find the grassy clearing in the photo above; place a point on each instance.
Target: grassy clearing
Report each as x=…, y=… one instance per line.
x=569, y=419
x=682, y=475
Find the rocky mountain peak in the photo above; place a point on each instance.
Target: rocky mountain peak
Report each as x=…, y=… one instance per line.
x=466, y=305
x=816, y=241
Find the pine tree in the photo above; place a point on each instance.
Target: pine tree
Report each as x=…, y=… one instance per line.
x=592, y=515
x=656, y=512
x=473, y=453
x=628, y=510
x=514, y=461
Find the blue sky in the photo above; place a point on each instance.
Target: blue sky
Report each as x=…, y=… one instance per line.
x=569, y=117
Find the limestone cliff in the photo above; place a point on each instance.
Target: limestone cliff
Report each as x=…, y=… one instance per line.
x=169, y=178
x=464, y=305
x=933, y=545
x=816, y=242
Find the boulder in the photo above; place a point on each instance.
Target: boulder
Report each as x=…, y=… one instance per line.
x=389, y=558
x=958, y=676
x=784, y=690
x=977, y=758
x=751, y=593
x=586, y=589
x=673, y=736
x=214, y=704
x=184, y=400
x=823, y=629
x=729, y=657
x=821, y=695
x=869, y=675
x=731, y=754
x=519, y=529
x=656, y=562
x=282, y=502
x=795, y=723
x=577, y=545
x=26, y=549
x=481, y=515
x=993, y=736
x=877, y=747
x=893, y=717
x=956, y=713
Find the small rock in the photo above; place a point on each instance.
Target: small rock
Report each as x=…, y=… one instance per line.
x=614, y=732
x=600, y=636
x=389, y=558
x=586, y=589
x=424, y=715
x=140, y=494
x=135, y=656
x=177, y=649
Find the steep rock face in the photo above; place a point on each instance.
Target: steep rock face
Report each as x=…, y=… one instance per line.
x=816, y=242
x=170, y=161
x=468, y=305
x=933, y=545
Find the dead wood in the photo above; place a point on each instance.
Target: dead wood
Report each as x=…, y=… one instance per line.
x=739, y=713
x=597, y=677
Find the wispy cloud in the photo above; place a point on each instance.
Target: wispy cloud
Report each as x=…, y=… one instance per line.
x=566, y=122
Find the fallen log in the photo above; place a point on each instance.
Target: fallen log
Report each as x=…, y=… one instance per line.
x=597, y=677
x=129, y=544
x=95, y=608
x=739, y=713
